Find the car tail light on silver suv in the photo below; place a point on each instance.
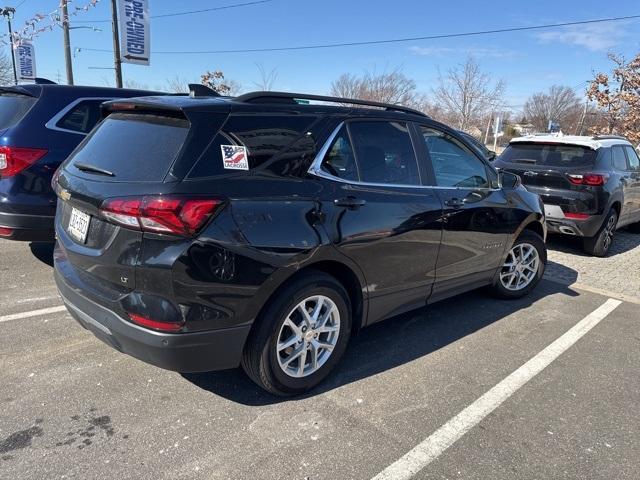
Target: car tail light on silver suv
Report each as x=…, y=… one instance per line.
x=13, y=160
x=161, y=214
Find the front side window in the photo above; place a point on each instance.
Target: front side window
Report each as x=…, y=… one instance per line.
x=82, y=118
x=453, y=164
x=619, y=158
x=634, y=161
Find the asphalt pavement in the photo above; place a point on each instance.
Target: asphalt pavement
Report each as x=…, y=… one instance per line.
x=71, y=407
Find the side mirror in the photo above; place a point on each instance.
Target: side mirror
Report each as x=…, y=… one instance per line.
x=509, y=181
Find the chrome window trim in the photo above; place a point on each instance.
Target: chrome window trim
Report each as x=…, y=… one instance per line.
x=316, y=170
x=52, y=124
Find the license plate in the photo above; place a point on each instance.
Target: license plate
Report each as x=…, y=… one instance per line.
x=79, y=225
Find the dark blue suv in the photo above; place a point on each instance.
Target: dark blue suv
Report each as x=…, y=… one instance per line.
x=40, y=125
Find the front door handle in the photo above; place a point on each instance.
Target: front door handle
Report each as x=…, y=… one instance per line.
x=350, y=202
x=454, y=202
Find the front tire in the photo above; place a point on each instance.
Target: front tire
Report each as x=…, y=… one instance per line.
x=523, y=267
x=300, y=336
x=599, y=244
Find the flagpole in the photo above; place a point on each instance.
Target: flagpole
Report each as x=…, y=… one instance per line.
x=8, y=13
x=67, y=42
x=116, y=43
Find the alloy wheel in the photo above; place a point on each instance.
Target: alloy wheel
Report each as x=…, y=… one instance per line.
x=609, y=230
x=520, y=268
x=308, y=336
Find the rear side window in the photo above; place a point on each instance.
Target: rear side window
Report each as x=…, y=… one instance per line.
x=13, y=108
x=340, y=160
x=265, y=138
x=134, y=147
x=453, y=164
x=81, y=118
x=634, y=161
x=619, y=158
x=551, y=155
x=384, y=153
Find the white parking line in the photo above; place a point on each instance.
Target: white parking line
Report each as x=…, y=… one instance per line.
x=432, y=447
x=32, y=313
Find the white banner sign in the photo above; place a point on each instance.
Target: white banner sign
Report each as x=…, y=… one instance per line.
x=26, y=58
x=134, y=32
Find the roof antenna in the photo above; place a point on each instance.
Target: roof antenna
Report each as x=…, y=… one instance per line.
x=197, y=90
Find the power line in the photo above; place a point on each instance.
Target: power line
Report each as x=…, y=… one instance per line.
x=395, y=40
x=190, y=12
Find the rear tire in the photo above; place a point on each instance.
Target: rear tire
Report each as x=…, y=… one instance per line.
x=288, y=352
x=523, y=267
x=599, y=244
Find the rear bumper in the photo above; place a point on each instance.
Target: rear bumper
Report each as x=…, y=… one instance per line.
x=28, y=227
x=558, y=223
x=181, y=352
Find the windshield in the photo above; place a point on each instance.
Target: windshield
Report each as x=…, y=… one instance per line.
x=13, y=107
x=551, y=155
x=132, y=147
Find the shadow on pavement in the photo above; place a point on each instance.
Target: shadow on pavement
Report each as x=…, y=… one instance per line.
x=623, y=242
x=389, y=344
x=43, y=251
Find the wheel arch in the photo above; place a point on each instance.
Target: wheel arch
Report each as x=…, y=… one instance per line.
x=347, y=275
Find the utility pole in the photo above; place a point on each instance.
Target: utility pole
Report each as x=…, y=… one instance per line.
x=116, y=43
x=8, y=13
x=67, y=42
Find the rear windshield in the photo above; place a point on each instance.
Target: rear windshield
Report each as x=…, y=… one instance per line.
x=13, y=107
x=133, y=147
x=550, y=155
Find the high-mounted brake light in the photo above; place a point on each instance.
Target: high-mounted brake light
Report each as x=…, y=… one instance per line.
x=162, y=214
x=154, y=324
x=13, y=160
x=591, y=179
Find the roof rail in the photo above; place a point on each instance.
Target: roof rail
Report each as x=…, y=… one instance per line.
x=198, y=90
x=44, y=81
x=609, y=137
x=288, y=97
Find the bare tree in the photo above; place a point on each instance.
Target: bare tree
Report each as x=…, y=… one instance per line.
x=617, y=96
x=394, y=87
x=467, y=94
x=267, y=79
x=135, y=85
x=6, y=70
x=178, y=84
x=560, y=104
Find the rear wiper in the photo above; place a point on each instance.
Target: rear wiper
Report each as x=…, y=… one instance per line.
x=90, y=168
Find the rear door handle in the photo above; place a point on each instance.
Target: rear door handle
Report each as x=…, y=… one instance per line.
x=454, y=202
x=350, y=202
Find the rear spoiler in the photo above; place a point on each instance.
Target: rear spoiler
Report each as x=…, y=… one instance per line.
x=17, y=90
x=139, y=105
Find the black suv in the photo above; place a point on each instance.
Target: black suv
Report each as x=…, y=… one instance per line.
x=40, y=125
x=202, y=233
x=590, y=185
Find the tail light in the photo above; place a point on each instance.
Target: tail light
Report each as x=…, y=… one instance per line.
x=576, y=216
x=161, y=214
x=591, y=179
x=154, y=324
x=6, y=232
x=13, y=160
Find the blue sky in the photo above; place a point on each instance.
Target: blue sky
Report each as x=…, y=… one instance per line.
x=527, y=61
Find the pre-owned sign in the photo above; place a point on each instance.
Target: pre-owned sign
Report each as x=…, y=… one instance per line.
x=26, y=54
x=134, y=32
